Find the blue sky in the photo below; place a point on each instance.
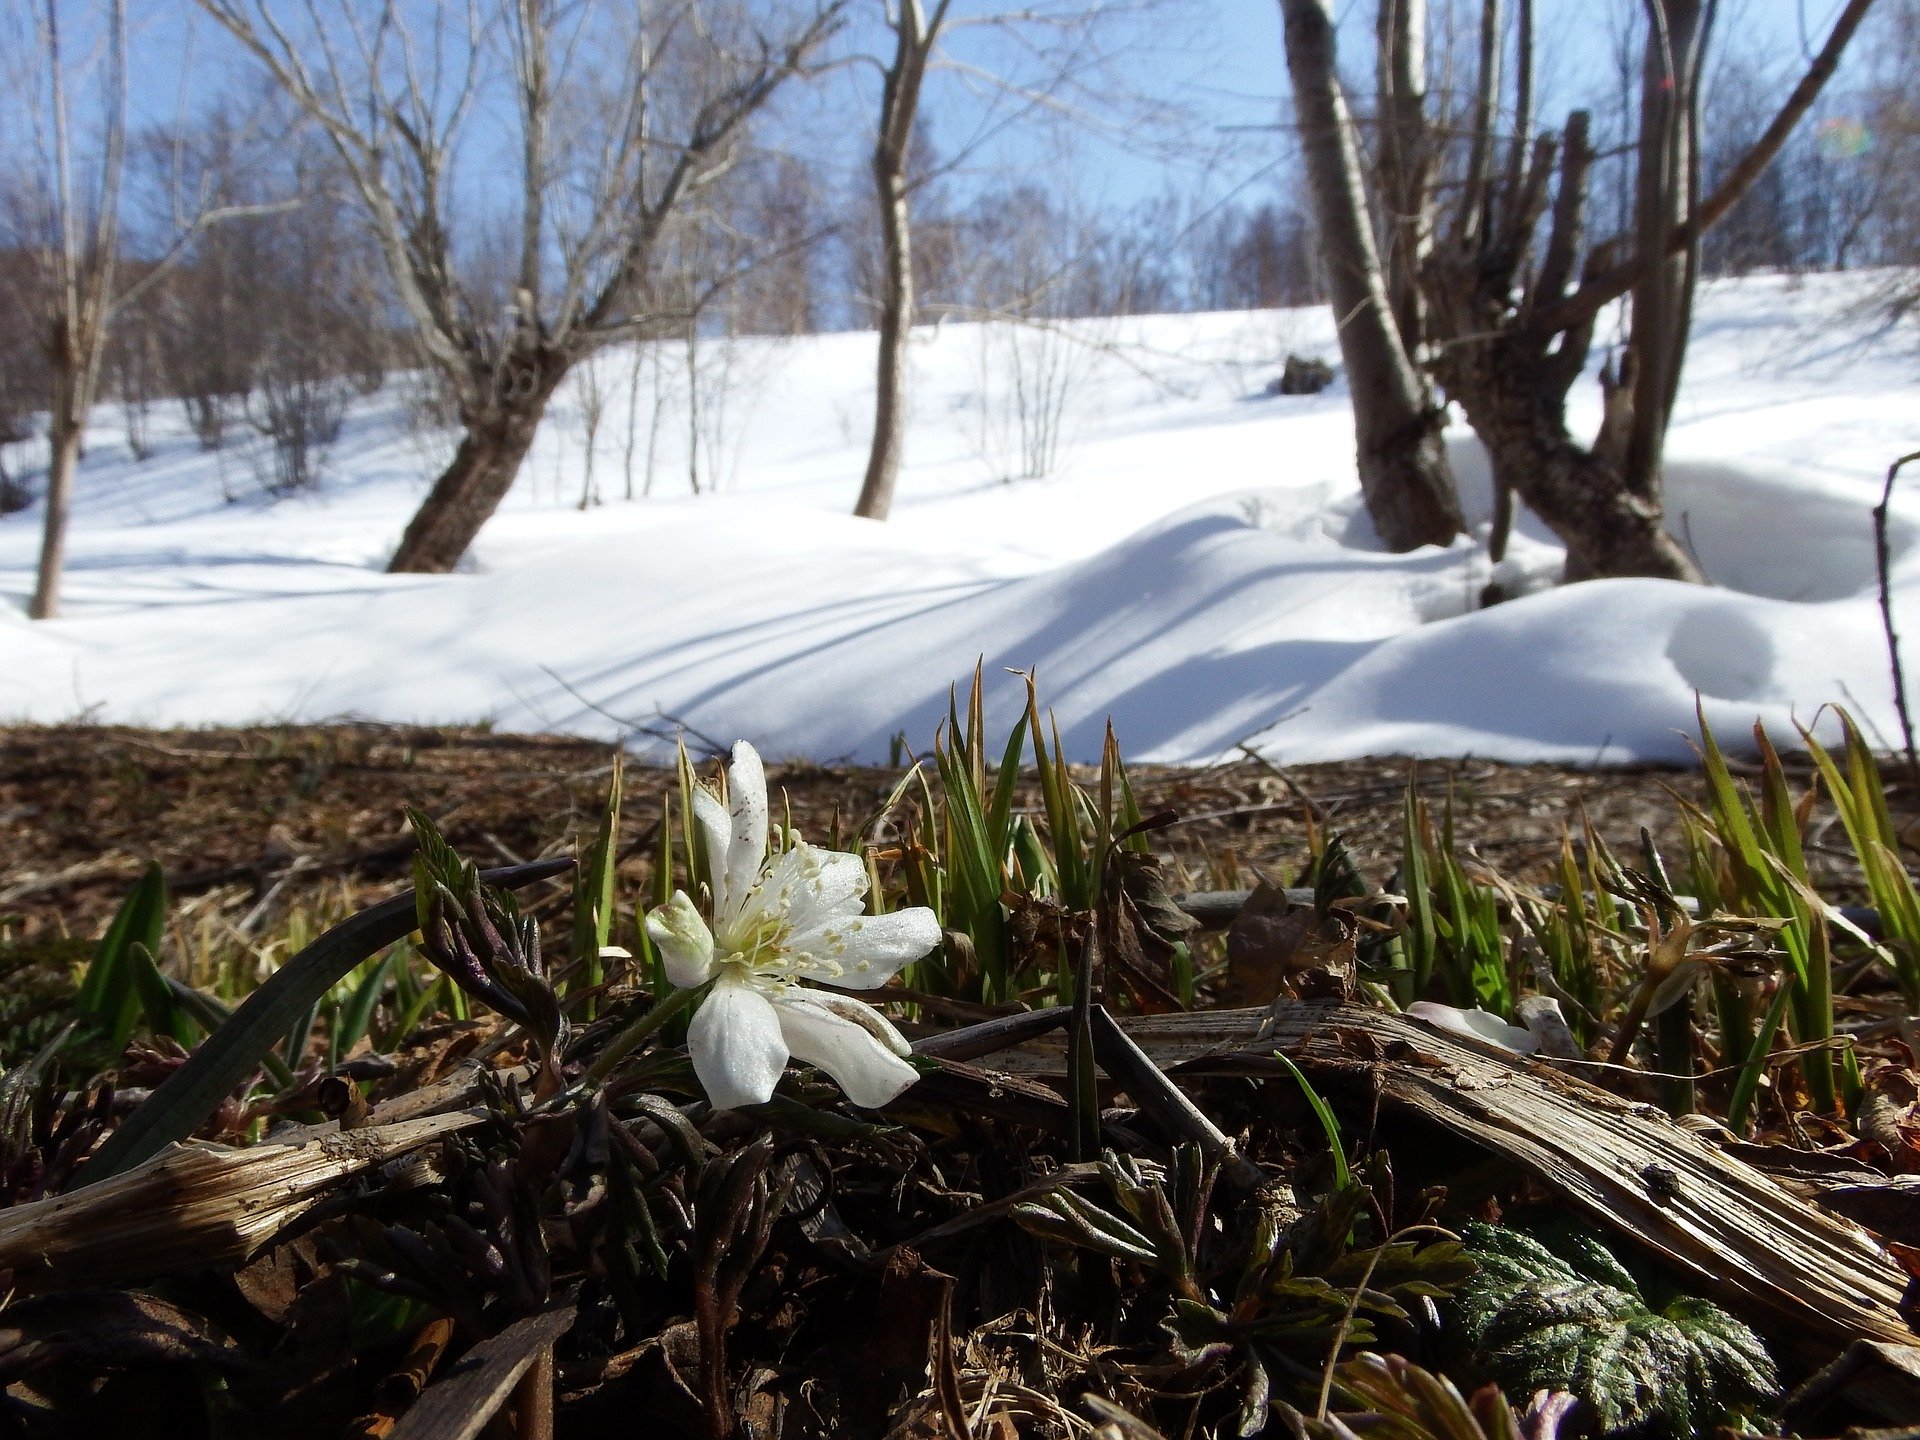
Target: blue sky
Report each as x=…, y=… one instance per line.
x=1220, y=60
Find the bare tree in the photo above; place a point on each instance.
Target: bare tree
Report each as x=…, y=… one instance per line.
x=623, y=121
x=71, y=219
x=1515, y=289
x=1068, y=62
x=77, y=252
x=592, y=387
x=916, y=31
x=1404, y=475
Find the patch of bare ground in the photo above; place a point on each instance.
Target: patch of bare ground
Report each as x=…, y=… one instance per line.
x=248, y=823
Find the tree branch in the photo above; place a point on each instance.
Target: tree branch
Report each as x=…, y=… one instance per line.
x=1587, y=301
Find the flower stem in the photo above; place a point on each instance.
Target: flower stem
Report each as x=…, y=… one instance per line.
x=631, y=1038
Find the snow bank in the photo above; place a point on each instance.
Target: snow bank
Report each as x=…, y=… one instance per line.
x=1198, y=567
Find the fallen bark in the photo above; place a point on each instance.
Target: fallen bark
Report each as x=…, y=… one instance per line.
x=1814, y=1281
x=194, y=1205
x=460, y=1406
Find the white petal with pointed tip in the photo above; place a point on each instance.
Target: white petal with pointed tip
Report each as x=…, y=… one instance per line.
x=685, y=943
x=1475, y=1025
x=716, y=832
x=737, y=1046
x=863, y=952
x=861, y=1063
x=747, y=806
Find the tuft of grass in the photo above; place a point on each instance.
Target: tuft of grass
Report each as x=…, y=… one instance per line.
x=1766, y=870
x=1455, y=943
x=1853, y=783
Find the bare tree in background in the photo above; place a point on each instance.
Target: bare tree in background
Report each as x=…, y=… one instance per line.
x=623, y=120
x=916, y=31
x=1068, y=61
x=1404, y=475
x=1515, y=289
x=592, y=387
x=72, y=228
x=1891, y=137
x=20, y=365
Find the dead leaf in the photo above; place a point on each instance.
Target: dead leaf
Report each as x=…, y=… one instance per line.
x=1272, y=940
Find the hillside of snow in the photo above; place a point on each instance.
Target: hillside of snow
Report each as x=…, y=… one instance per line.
x=1196, y=565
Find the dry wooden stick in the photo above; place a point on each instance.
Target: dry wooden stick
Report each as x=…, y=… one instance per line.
x=194, y=1205
x=459, y=1406
x=1815, y=1281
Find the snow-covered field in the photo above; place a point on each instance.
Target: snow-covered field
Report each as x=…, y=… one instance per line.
x=1197, y=565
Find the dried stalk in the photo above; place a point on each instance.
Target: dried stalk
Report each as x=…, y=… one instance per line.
x=1815, y=1281
x=194, y=1205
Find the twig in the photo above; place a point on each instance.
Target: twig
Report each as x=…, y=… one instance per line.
x=710, y=748
x=1883, y=562
x=1150, y=1088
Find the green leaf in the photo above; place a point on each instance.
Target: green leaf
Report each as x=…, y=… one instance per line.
x=239, y=1047
x=1566, y=1315
x=1343, y=1176
x=593, y=889
x=355, y=1018
x=110, y=989
x=165, y=1016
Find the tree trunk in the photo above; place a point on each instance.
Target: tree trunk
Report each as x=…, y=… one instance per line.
x=471, y=488
x=1666, y=186
x=896, y=324
x=915, y=33
x=1518, y=411
x=64, y=441
x=1404, y=475
x=1406, y=161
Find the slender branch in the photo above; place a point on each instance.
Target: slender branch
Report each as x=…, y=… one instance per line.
x=1587, y=301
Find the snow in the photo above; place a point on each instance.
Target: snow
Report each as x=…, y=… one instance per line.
x=1196, y=566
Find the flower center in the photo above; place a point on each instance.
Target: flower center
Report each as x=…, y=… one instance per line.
x=756, y=945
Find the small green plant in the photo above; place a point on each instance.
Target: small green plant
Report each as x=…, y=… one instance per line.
x=1853, y=780
x=1767, y=876
x=594, y=900
x=1015, y=893
x=1572, y=1318
x=1390, y=1395
x=1454, y=943
x=112, y=989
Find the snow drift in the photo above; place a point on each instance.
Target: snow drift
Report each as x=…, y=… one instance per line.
x=1198, y=566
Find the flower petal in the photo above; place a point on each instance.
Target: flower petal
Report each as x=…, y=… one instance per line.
x=685, y=943
x=832, y=886
x=737, y=1046
x=1478, y=1025
x=848, y=1008
x=747, y=802
x=867, y=950
x=859, y=1053
x=716, y=832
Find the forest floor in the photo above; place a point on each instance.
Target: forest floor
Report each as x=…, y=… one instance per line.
x=248, y=823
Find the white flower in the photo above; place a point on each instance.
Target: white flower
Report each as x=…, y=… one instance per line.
x=777, y=920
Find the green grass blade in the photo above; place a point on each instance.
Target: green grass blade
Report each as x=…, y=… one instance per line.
x=1747, y=1083
x=227, y=1057
x=1000, y=811
x=593, y=891
x=356, y=1016
x=164, y=1015
x=1421, y=939
x=109, y=991
x=1343, y=1174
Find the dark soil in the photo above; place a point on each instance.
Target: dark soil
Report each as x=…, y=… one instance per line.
x=255, y=821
